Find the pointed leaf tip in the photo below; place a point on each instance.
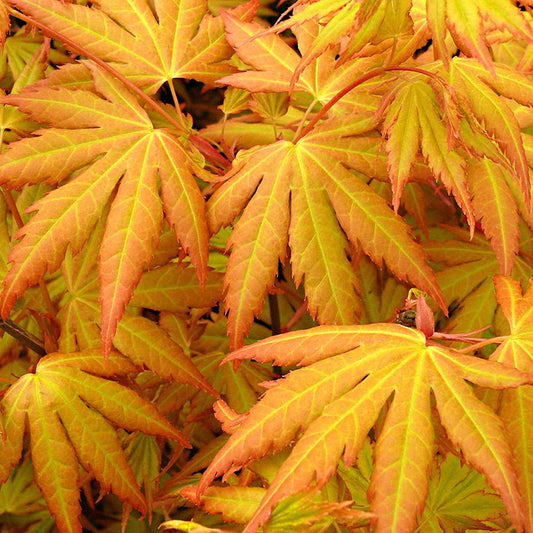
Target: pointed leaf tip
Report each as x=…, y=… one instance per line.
x=425, y=319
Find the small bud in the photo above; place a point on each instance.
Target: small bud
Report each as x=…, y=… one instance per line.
x=425, y=320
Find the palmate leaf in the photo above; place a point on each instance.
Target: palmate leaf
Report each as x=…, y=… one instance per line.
x=328, y=206
x=304, y=511
x=178, y=39
x=111, y=137
x=414, y=120
x=516, y=407
x=466, y=277
x=330, y=406
x=459, y=499
x=69, y=402
x=468, y=23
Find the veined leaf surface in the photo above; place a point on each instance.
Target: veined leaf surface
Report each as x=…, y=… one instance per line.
x=68, y=403
x=328, y=204
x=330, y=405
x=179, y=39
x=111, y=137
x=516, y=408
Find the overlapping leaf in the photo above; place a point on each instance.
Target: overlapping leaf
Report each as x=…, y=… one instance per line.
x=330, y=406
x=414, y=120
x=175, y=39
x=466, y=279
x=295, y=513
x=495, y=207
x=361, y=22
x=274, y=62
x=68, y=403
x=141, y=340
x=108, y=135
x=459, y=499
x=301, y=194
x=367, y=21
x=469, y=22
x=480, y=95
x=516, y=407
x=21, y=500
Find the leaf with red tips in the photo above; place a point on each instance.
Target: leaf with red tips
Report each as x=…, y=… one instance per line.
x=330, y=406
x=110, y=133
x=69, y=408
x=467, y=22
x=480, y=96
x=324, y=196
x=516, y=407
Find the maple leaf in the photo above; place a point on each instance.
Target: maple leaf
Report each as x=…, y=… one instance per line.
x=516, y=407
x=177, y=39
x=239, y=386
x=468, y=23
x=301, y=511
x=359, y=23
x=327, y=204
x=144, y=457
x=458, y=499
x=68, y=402
x=109, y=134
x=329, y=407
x=480, y=96
x=466, y=276
x=274, y=64
x=414, y=118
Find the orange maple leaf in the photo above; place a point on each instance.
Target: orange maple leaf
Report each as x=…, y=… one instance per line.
x=178, y=39
x=327, y=204
x=110, y=136
x=516, y=406
x=69, y=403
x=351, y=373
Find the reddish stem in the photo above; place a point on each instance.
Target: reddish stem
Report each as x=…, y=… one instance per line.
x=336, y=98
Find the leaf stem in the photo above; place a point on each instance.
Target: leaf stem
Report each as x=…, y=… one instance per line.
x=368, y=76
x=274, y=314
x=176, y=102
x=299, y=313
x=304, y=118
x=25, y=337
x=428, y=73
x=481, y=344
